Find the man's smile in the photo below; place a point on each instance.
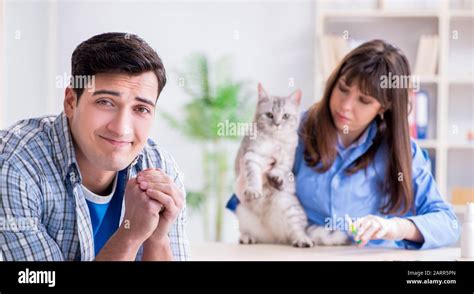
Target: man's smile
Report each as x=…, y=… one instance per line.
x=116, y=143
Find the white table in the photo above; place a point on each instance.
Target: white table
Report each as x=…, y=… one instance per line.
x=214, y=251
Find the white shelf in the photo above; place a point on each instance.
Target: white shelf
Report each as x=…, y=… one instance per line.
x=377, y=13
x=461, y=146
x=434, y=144
x=427, y=143
x=458, y=13
x=453, y=80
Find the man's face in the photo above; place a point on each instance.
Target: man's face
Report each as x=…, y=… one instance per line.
x=111, y=122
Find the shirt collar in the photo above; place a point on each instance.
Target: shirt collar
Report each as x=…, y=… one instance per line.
x=63, y=146
x=64, y=150
x=364, y=140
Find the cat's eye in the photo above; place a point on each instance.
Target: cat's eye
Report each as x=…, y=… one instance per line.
x=269, y=114
x=286, y=116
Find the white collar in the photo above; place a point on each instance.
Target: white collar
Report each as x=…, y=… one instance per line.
x=99, y=199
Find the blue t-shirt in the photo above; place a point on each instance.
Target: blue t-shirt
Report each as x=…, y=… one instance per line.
x=105, y=217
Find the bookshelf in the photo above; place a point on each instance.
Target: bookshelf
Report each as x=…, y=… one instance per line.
x=450, y=89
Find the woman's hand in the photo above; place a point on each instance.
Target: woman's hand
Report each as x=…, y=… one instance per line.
x=372, y=227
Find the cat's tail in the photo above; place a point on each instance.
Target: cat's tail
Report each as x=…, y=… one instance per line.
x=322, y=236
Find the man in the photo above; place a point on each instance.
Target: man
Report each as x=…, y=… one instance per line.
x=89, y=184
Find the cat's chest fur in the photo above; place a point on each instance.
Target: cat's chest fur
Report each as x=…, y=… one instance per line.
x=272, y=150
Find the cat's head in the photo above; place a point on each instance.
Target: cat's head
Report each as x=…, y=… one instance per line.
x=277, y=114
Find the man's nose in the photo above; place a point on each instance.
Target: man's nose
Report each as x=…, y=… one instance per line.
x=121, y=124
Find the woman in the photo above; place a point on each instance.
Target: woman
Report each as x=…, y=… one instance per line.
x=355, y=157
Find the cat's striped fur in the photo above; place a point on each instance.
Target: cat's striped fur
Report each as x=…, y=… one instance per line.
x=269, y=211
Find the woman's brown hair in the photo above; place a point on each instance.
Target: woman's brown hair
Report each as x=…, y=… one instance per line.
x=365, y=66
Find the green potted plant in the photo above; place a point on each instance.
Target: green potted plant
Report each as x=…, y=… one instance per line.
x=216, y=99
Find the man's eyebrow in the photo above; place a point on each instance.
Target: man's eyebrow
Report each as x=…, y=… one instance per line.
x=146, y=101
x=108, y=92
x=114, y=93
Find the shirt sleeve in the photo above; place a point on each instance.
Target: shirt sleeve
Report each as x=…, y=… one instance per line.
x=22, y=235
x=178, y=237
x=299, y=151
x=435, y=217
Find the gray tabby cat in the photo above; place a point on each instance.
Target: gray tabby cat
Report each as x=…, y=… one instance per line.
x=269, y=211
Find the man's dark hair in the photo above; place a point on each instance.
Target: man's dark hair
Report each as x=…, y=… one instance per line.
x=115, y=53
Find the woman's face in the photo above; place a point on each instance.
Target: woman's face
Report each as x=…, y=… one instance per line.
x=351, y=110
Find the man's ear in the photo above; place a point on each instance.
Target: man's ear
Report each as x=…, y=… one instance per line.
x=70, y=102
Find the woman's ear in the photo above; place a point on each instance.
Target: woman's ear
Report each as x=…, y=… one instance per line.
x=70, y=102
x=381, y=112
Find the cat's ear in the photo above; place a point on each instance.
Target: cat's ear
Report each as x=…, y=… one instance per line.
x=296, y=96
x=262, y=94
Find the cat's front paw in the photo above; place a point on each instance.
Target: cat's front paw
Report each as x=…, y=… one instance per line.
x=247, y=239
x=303, y=242
x=252, y=193
x=276, y=179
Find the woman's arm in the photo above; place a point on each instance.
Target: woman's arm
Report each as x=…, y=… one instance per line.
x=433, y=223
x=434, y=217
x=408, y=230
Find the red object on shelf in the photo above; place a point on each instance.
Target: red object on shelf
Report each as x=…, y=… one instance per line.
x=470, y=135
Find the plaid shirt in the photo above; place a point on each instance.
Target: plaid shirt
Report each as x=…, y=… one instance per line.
x=43, y=212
